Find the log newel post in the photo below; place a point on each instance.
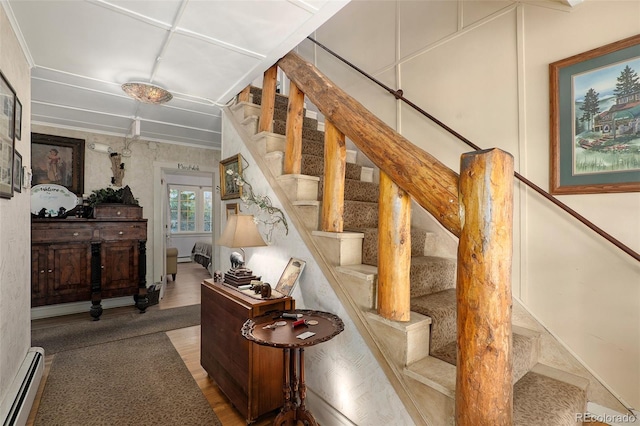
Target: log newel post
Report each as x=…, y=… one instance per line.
x=335, y=166
x=295, y=118
x=484, y=390
x=394, y=251
x=268, y=103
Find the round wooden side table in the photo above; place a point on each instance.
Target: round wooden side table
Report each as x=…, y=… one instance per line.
x=273, y=330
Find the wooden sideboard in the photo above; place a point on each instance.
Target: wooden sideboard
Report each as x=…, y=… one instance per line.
x=250, y=375
x=88, y=259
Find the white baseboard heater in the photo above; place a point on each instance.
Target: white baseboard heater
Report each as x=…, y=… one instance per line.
x=15, y=407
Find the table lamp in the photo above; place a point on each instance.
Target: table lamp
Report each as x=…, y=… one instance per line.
x=240, y=232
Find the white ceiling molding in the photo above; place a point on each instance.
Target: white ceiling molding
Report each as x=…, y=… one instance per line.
x=202, y=52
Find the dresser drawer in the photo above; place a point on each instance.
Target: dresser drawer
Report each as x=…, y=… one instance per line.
x=126, y=232
x=117, y=211
x=63, y=234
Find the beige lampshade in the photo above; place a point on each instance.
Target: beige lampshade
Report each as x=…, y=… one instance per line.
x=241, y=231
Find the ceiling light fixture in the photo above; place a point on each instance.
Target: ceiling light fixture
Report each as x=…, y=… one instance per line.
x=147, y=93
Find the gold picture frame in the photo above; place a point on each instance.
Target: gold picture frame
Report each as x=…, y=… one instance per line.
x=229, y=188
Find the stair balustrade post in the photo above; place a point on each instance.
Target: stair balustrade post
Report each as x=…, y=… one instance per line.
x=244, y=95
x=394, y=251
x=293, y=135
x=335, y=166
x=429, y=182
x=484, y=390
x=268, y=103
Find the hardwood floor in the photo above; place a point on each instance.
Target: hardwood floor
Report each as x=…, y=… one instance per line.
x=183, y=292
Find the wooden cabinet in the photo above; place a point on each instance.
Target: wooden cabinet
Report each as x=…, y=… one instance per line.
x=250, y=375
x=85, y=259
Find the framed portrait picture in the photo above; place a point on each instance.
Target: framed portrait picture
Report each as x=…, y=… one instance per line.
x=7, y=131
x=595, y=120
x=232, y=208
x=17, y=172
x=229, y=189
x=18, y=119
x=58, y=160
x=290, y=275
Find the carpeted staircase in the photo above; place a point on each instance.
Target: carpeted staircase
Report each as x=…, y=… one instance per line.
x=542, y=395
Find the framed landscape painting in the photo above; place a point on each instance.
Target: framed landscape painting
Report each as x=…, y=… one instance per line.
x=595, y=120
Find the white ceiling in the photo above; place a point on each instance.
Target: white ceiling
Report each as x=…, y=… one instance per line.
x=203, y=51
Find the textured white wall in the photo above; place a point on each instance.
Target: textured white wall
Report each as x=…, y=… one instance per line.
x=482, y=68
x=15, y=225
x=342, y=371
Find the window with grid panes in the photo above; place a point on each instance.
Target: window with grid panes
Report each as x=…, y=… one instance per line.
x=191, y=208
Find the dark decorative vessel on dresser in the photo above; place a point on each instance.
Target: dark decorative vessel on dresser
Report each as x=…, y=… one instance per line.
x=78, y=259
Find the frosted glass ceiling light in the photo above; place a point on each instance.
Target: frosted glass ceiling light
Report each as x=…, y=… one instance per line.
x=147, y=93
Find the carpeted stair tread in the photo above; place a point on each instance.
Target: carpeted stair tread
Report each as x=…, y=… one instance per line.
x=421, y=242
x=441, y=308
x=280, y=127
x=312, y=147
x=360, y=214
x=355, y=190
x=313, y=165
x=432, y=274
x=256, y=92
x=542, y=401
x=522, y=348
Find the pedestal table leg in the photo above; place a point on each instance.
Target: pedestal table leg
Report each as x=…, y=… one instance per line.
x=302, y=414
x=287, y=414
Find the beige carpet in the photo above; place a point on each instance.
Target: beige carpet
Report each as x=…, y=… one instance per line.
x=136, y=381
x=113, y=327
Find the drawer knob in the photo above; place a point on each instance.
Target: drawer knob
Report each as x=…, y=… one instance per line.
x=75, y=234
x=118, y=213
x=120, y=233
x=50, y=270
x=42, y=271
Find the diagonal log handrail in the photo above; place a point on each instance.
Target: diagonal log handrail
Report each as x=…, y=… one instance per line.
x=433, y=185
x=398, y=94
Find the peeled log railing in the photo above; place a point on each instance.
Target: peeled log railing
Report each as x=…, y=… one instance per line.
x=482, y=222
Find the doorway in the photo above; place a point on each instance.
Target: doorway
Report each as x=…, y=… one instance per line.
x=166, y=177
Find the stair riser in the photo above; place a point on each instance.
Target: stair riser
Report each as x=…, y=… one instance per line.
x=358, y=214
x=280, y=114
x=432, y=277
x=314, y=166
x=423, y=243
